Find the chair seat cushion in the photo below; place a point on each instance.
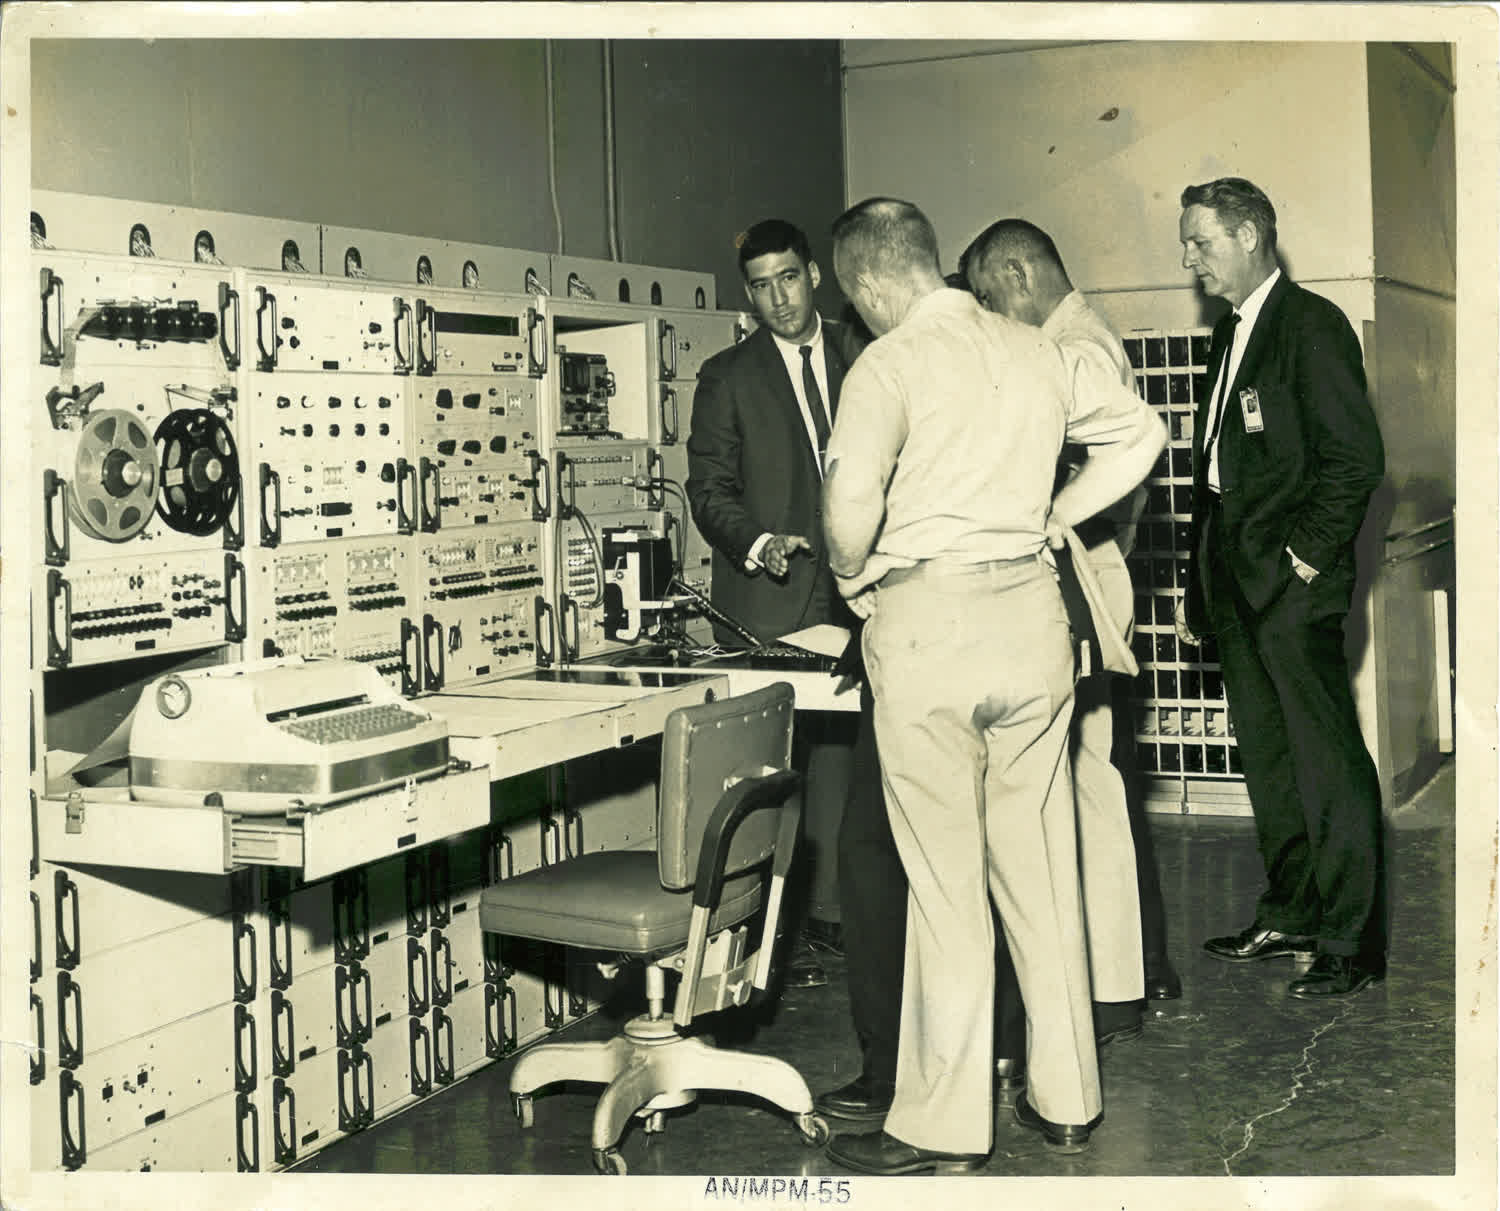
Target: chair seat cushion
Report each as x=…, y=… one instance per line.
x=607, y=901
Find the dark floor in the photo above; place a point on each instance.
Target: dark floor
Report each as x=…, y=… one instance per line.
x=1236, y=1078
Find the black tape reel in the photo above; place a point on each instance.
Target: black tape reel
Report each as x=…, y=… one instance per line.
x=200, y=471
x=115, y=476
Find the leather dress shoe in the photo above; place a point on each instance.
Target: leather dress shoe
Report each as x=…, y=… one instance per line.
x=1010, y=1075
x=1065, y=1137
x=863, y=1100
x=1115, y=1021
x=804, y=971
x=1336, y=976
x=884, y=1155
x=827, y=936
x=1162, y=981
x=1257, y=942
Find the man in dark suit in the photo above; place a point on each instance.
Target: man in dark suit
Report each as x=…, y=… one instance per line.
x=1286, y=452
x=762, y=414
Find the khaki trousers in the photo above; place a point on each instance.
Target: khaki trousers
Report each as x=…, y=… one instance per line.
x=1111, y=891
x=972, y=671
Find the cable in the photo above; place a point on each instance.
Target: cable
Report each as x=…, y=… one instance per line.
x=671, y=485
x=557, y=218
x=611, y=214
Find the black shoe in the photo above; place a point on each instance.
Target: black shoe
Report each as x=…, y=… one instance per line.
x=863, y=1100
x=1258, y=942
x=827, y=936
x=1162, y=981
x=1065, y=1137
x=1115, y=1021
x=1336, y=976
x=1010, y=1075
x=804, y=971
x=884, y=1155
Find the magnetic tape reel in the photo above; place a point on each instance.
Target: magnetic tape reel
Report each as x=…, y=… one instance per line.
x=200, y=474
x=115, y=475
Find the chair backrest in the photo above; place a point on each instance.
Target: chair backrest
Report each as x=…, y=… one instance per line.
x=705, y=749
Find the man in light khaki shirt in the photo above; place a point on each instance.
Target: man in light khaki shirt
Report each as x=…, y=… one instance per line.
x=938, y=512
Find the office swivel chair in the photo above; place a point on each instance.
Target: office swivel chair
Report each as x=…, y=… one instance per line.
x=726, y=809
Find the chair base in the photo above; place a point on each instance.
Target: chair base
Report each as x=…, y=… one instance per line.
x=650, y=1068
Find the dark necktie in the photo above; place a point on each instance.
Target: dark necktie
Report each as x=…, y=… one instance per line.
x=1208, y=446
x=814, y=401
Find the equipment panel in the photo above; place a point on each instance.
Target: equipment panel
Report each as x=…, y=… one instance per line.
x=112, y=609
x=477, y=450
x=479, y=596
x=328, y=457
x=293, y=323
x=472, y=333
x=583, y=576
x=348, y=598
x=602, y=477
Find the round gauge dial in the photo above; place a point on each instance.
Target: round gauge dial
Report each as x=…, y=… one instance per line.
x=173, y=697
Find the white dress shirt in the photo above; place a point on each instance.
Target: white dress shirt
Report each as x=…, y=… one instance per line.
x=791, y=354
x=1249, y=312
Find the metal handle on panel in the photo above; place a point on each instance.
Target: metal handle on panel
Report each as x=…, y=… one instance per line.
x=578, y=1003
x=420, y=1050
x=74, y=1147
x=284, y=1145
x=36, y=936
x=429, y=473
x=39, y=1051
x=227, y=295
x=546, y=636
x=245, y=1074
x=270, y=523
x=433, y=680
x=552, y=1014
x=426, y=350
x=566, y=477
x=416, y=960
x=666, y=348
x=64, y=891
x=668, y=428
x=406, y=497
x=572, y=831
x=351, y=935
x=36, y=836
x=500, y=847
x=442, y=1034
x=265, y=357
x=244, y=986
x=69, y=1045
x=411, y=665
x=280, y=916
x=402, y=322
x=283, y=1058
x=59, y=650
x=569, y=618
x=52, y=353
x=536, y=325
x=439, y=885
x=442, y=986
x=55, y=506
x=245, y=1109
x=365, y=1026
x=416, y=893
x=551, y=853
x=541, y=486
x=655, y=469
x=235, y=589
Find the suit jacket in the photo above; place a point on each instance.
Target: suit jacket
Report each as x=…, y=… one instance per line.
x=751, y=471
x=1304, y=479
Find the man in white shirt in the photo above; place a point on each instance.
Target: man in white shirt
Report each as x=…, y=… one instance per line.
x=1015, y=270
x=939, y=510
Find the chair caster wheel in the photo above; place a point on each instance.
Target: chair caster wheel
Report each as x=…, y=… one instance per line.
x=521, y=1104
x=656, y=1123
x=609, y=1162
x=814, y=1129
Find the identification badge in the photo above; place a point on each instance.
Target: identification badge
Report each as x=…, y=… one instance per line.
x=1250, y=409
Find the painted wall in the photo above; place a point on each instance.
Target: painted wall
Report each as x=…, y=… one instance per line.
x=1095, y=143
x=448, y=138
